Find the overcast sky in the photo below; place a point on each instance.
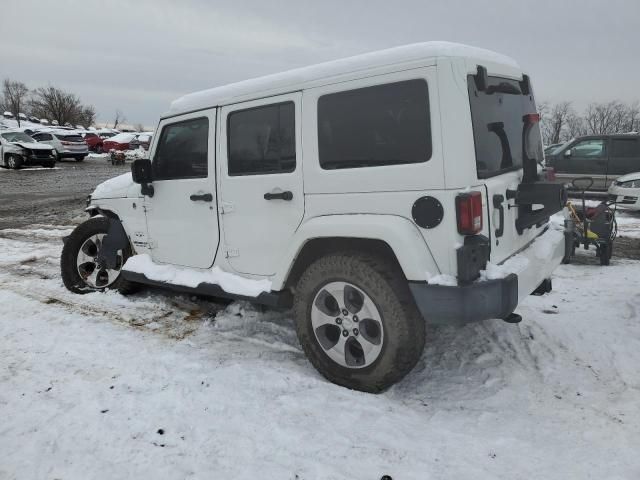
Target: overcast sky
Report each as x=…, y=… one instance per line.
x=138, y=55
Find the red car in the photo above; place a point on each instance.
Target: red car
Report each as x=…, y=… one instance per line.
x=93, y=141
x=118, y=142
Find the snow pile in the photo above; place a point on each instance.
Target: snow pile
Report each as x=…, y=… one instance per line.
x=192, y=278
x=159, y=385
x=442, y=279
x=542, y=250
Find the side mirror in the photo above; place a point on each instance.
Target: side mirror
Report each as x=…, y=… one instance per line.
x=567, y=153
x=141, y=173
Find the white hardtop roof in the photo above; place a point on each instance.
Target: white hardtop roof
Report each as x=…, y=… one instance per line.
x=295, y=79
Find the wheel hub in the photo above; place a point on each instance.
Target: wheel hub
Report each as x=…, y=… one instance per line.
x=347, y=324
x=91, y=268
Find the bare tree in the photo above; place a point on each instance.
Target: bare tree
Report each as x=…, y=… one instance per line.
x=576, y=127
x=139, y=127
x=120, y=118
x=15, y=97
x=56, y=104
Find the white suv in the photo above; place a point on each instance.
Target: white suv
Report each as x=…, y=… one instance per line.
x=370, y=194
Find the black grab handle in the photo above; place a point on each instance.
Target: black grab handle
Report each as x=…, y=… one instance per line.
x=497, y=203
x=287, y=195
x=205, y=197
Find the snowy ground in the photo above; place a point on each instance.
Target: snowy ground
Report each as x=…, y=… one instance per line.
x=161, y=386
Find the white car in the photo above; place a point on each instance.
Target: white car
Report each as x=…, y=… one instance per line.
x=625, y=191
x=411, y=201
x=17, y=150
x=67, y=143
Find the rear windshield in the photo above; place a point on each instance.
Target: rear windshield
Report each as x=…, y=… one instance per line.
x=497, y=116
x=70, y=138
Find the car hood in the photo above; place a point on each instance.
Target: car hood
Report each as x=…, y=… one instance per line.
x=33, y=145
x=117, y=187
x=628, y=177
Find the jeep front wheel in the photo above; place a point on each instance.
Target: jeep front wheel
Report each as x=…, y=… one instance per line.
x=357, y=322
x=82, y=270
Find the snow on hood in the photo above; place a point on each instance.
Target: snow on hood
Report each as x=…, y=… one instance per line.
x=114, y=187
x=628, y=177
x=121, y=138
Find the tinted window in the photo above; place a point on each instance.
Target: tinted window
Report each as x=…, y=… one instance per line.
x=593, y=148
x=374, y=126
x=625, y=147
x=262, y=140
x=182, y=150
x=70, y=138
x=43, y=136
x=497, y=115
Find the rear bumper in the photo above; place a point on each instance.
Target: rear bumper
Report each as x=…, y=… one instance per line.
x=519, y=275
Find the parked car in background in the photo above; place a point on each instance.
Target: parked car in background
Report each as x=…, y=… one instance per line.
x=93, y=141
x=7, y=114
x=625, y=191
x=44, y=121
x=34, y=119
x=67, y=144
x=17, y=150
x=602, y=157
x=142, y=140
x=120, y=141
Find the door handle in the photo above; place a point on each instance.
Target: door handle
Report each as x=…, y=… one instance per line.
x=286, y=195
x=497, y=203
x=203, y=197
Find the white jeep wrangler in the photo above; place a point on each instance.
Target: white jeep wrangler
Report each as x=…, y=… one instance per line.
x=371, y=194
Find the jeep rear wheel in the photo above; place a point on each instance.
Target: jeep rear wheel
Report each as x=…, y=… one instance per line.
x=357, y=322
x=82, y=271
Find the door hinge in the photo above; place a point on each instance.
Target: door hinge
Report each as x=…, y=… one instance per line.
x=226, y=207
x=232, y=252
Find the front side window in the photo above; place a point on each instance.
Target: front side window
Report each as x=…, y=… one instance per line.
x=589, y=148
x=262, y=140
x=625, y=148
x=375, y=126
x=182, y=150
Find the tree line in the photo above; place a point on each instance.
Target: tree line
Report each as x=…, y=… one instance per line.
x=560, y=122
x=45, y=102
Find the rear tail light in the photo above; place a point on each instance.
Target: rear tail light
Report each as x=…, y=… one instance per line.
x=530, y=118
x=65, y=143
x=469, y=212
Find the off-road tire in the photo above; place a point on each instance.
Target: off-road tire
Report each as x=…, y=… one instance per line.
x=14, y=161
x=70, y=276
x=384, y=283
x=49, y=165
x=79, y=159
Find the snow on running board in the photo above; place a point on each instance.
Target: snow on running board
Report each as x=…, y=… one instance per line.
x=189, y=277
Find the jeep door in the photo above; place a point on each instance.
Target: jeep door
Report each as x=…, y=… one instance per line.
x=584, y=158
x=182, y=215
x=260, y=178
x=624, y=156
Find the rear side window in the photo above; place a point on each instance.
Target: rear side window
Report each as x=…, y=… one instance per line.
x=182, y=150
x=261, y=140
x=625, y=147
x=70, y=138
x=375, y=126
x=43, y=136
